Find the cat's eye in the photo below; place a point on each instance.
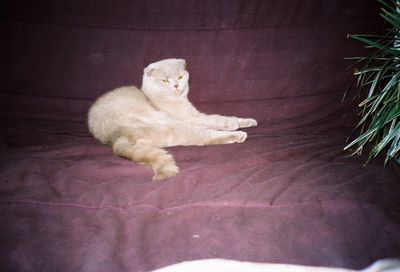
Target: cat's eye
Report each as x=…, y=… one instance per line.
x=180, y=77
x=164, y=80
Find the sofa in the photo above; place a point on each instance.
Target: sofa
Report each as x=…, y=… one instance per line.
x=289, y=194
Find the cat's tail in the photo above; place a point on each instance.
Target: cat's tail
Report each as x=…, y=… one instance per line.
x=162, y=163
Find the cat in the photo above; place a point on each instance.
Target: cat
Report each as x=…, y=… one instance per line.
x=138, y=123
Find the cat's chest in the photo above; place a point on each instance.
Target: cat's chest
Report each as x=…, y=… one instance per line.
x=149, y=118
x=179, y=110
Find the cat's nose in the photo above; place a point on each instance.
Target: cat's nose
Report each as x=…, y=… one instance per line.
x=176, y=86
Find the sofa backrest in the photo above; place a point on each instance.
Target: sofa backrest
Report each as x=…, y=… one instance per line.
x=274, y=60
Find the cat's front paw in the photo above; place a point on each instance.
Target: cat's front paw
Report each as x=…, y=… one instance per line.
x=229, y=124
x=228, y=137
x=236, y=137
x=240, y=136
x=246, y=122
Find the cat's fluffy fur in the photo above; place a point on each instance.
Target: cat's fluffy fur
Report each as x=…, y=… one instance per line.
x=139, y=123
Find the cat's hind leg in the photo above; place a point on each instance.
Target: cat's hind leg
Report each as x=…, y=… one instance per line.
x=143, y=145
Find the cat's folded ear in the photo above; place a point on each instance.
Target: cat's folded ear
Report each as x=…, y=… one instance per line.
x=181, y=63
x=148, y=70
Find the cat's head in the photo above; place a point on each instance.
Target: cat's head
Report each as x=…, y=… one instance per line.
x=165, y=79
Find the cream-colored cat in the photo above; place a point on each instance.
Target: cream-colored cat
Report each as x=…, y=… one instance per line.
x=139, y=123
